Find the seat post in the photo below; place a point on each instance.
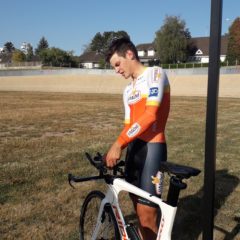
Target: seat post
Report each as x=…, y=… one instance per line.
x=175, y=186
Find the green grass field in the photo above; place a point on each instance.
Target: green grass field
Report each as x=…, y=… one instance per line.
x=43, y=137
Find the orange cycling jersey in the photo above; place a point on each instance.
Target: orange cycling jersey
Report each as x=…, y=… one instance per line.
x=147, y=104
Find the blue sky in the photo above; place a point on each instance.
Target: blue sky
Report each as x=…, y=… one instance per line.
x=71, y=24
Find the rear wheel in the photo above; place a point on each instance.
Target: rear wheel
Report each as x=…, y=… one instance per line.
x=88, y=219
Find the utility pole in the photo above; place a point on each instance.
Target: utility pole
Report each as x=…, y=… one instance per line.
x=211, y=119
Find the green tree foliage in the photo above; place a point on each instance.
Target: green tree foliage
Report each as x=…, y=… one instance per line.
x=100, y=41
x=18, y=56
x=9, y=47
x=102, y=63
x=233, y=49
x=42, y=45
x=29, y=54
x=171, y=41
x=97, y=42
x=57, y=57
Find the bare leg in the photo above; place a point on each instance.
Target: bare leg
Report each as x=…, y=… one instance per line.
x=147, y=217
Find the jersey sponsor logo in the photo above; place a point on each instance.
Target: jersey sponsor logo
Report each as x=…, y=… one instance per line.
x=153, y=92
x=134, y=97
x=133, y=130
x=158, y=182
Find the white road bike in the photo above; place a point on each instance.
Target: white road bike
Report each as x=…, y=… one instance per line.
x=101, y=217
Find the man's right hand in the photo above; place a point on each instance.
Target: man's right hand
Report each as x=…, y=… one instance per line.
x=113, y=155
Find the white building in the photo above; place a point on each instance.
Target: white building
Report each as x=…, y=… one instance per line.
x=200, y=50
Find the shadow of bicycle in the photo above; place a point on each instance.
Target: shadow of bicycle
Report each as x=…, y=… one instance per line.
x=189, y=220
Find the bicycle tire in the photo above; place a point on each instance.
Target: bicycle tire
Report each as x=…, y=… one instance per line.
x=88, y=219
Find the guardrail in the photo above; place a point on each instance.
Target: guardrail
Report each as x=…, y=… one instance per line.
x=80, y=71
x=20, y=65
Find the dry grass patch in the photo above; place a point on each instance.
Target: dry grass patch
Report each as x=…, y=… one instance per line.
x=43, y=137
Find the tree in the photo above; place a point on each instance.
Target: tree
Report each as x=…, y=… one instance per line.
x=171, y=41
x=233, y=49
x=97, y=42
x=18, y=56
x=100, y=41
x=9, y=47
x=56, y=57
x=29, y=54
x=43, y=44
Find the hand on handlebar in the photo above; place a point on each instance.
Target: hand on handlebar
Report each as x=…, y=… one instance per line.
x=113, y=155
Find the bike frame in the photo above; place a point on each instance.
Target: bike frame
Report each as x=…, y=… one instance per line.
x=167, y=212
x=116, y=184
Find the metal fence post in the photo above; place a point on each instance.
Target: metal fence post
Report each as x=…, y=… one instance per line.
x=211, y=119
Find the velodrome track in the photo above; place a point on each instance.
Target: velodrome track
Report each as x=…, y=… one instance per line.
x=181, y=84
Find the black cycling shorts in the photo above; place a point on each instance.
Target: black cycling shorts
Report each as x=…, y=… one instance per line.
x=142, y=167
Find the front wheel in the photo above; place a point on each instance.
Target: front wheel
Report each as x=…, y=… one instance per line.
x=108, y=229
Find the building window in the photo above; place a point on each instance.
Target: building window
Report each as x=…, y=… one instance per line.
x=140, y=53
x=151, y=53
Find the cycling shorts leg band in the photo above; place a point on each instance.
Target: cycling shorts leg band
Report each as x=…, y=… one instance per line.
x=142, y=167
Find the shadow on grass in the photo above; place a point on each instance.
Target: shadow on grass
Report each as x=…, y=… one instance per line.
x=188, y=223
x=235, y=231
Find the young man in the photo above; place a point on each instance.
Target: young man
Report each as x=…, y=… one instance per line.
x=147, y=102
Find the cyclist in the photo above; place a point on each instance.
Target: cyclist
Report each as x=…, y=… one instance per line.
x=147, y=102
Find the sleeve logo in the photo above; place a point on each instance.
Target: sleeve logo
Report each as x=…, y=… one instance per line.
x=153, y=92
x=133, y=130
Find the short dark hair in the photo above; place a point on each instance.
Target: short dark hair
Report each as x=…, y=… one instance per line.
x=120, y=46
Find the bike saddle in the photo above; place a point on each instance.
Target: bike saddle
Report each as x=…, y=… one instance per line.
x=178, y=170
